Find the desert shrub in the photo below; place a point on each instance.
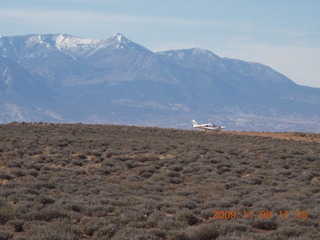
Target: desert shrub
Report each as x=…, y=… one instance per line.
x=191, y=169
x=96, y=153
x=143, y=170
x=219, y=151
x=35, y=166
x=231, y=227
x=206, y=214
x=173, y=174
x=257, y=165
x=135, y=234
x=78, y=162
x=223, y=165
x=187, y=193
x=146, y=174
x=92, y=225
x=311, y=158
x=240, y=170
x=131, y=188
x=190, y=204
x=286, y=166
x=109, y=154
x=45, y=169
x=213, y=160
x=290, y=231
x=265, y=205
x=57, y=231
x=79, y=172
x=15, y=164
x=100, y=211
x=170, y=210
x=141, y=158
x=17, y=224
x=248, y=202
x=206, y=232
x=75, y=207
x=4, y=176
x=131, y=164
x=134, y=215
x=46, y=200
x=176, y=168
x=170, y=224
x=121, y=158
x=7, y=212
x=257, y=181
x=46, y=214
x=154, y=218
x=8, y=188
x=225, y=203
x=40, y=185
x=99, y=171
x=97, y=160
x=229, y=185
x=188, y=217
x=147, y=236
x=223, y=170
x=33, y=173
x=106, y=232
x=264, y=224
x=82, y=156
x=175, y=180
x=179, y=235
x=5, y=233
x=63, y=144
x=158, y=233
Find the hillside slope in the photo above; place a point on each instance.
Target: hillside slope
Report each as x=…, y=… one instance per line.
x=23, y=96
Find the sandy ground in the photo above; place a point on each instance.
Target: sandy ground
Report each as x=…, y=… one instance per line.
x=297, y=136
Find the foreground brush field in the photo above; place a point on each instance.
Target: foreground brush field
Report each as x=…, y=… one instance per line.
x=73, y=182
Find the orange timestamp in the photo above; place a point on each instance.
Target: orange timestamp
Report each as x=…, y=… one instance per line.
x=260, y=215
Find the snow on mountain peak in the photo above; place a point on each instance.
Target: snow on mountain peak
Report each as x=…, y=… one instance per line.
x=35, y=39
x=199, y=52
x=73, y=45
x=119, y=41
x=120, y=38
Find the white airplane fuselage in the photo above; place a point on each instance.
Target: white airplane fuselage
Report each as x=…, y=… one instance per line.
x=206, y=126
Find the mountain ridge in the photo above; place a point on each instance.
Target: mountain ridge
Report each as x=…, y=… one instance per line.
x=119, y=81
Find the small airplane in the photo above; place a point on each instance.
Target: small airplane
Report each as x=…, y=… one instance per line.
x=207, y=126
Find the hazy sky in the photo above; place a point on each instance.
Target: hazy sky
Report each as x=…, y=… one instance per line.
x=283, y=34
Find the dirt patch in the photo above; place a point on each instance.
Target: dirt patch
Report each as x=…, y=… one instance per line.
x=297, y=136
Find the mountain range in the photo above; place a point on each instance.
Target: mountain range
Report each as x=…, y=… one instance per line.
x=62, y=78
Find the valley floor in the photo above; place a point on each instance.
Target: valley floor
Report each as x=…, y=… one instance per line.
x=76, y=181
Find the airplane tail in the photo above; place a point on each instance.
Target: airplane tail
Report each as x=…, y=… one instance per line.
x=194, y=123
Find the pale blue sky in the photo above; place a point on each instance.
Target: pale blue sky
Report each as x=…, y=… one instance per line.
x=284, y=34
